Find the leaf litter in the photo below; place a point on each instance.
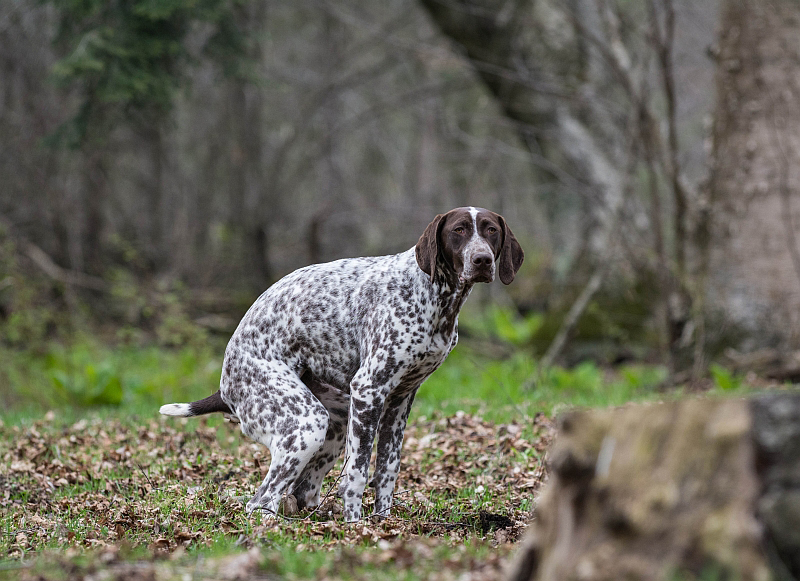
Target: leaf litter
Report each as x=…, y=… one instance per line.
x=118, y=489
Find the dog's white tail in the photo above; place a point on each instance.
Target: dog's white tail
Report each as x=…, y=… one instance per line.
x=177, y=409
x=213, y=403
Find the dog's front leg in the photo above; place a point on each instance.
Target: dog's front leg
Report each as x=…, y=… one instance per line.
x=390, y=444
x=366, y=406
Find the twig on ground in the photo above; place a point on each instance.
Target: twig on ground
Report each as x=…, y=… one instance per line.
x=18, y=531
x=147, y=477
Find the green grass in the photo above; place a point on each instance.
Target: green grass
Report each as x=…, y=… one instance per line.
x=88, y=375
x=507, y=389
x=138, y=380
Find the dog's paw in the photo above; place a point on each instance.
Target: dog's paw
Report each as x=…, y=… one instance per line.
x=352, y=514
x=271, y=508
x=251, y=507
x=257, y=504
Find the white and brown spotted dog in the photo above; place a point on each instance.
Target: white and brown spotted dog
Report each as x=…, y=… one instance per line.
x=332, y=355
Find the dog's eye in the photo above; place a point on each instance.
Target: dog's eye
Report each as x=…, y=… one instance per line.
x=491, y=229
x=459, y=230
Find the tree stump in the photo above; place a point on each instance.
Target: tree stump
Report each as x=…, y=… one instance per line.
x=681, y=490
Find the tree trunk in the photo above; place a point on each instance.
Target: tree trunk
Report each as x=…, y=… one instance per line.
x=755, y=182
x=94, y=198
x=491, y=32
x=562, y=129
x=693, y=489
x=251, y=199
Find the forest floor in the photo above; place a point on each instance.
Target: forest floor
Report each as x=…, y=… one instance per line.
x=141, y=499
x=94, y=484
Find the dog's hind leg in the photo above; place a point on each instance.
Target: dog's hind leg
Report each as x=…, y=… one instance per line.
x=307, y=491
x=278, y=410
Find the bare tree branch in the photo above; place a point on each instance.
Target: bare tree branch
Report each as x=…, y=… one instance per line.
x=48, y=266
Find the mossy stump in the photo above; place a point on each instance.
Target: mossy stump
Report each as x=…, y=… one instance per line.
x=692, y=489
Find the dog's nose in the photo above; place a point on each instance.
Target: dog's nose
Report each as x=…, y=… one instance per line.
x=482, y=260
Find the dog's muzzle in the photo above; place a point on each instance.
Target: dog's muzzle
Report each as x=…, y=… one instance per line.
x=479, y=268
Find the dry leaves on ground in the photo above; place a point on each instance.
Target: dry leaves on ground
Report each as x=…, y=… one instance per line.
x=170, y=485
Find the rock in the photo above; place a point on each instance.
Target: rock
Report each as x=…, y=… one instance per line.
x=288, y=506
x=688, y=489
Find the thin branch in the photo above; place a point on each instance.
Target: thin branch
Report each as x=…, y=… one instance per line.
x=424, y=50
x=147, y=477
x=784, y=170
x=47, y=265
x=573, y=315
x=70, y=277
x=620, y=62
x=612, y=58
x=352, y=124
x=316, y=508
x=664, y=48
x=784, y=167
x=612, y=237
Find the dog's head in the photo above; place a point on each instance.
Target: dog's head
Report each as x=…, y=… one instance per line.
x=470, y=243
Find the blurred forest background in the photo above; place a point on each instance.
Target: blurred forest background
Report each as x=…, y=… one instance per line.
x=164, y=161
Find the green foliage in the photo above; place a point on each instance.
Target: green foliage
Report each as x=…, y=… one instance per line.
x=505, y=389
x=175, y=327
x=584, y=378
x=617, y=319
x=642, y=376
x=511, y=328
x=35, y=316
x=142, y=378
x=724, y=379
x=503, y=324
x=127, y=58
x=708, y=572
x=87, y=374
x=88, y=385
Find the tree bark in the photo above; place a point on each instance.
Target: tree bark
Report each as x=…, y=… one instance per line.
x=490, y=32
x=677, y=490
x=755, y=181
x=251, y=199
x=94, y=199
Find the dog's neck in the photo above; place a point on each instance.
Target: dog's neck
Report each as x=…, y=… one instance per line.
x=450, y=294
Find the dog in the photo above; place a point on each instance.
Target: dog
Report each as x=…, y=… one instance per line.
x=331, y=356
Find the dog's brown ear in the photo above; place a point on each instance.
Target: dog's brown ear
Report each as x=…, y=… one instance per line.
x=511, y=255
x=427, y=248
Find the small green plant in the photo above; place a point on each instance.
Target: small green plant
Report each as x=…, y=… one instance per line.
x=86, y=384
x=87, y=374
x=724, y=379
x=505, y=324
x=643, y=376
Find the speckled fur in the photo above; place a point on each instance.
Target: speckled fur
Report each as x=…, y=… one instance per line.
x=331, y=356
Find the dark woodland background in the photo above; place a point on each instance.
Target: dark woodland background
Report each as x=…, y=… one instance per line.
x=164, y=161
